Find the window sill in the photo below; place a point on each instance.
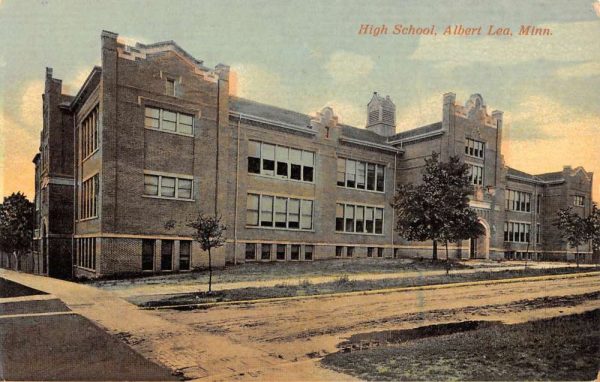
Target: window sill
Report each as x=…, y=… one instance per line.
x=170, y=132
x=360, y=233
x=275, y=177
x=91, y=154
x=85, y=268
x=86, y=219
x=167, y=198
x=279, y=229
x=360, y=189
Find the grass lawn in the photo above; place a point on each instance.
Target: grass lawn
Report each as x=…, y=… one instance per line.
x=561, y=348
x=262, y=271
x=341, y=285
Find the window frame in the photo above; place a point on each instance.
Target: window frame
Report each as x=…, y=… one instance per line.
x=367, y=211
x=291, y=213
x=365, y=171
x=177, y=177
x=291, y=165
x=177, y=122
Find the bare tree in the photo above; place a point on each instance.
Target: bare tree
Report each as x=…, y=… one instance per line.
x=210, y=233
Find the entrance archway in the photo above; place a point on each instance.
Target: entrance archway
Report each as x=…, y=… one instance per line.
x=479, y=247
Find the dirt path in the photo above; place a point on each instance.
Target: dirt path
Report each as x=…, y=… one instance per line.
x=278, y=340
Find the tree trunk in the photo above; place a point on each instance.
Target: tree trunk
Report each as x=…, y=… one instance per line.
x=209, y=272
x=577, y=255
x=527, y=255
x=447, y=259
x=435, y=256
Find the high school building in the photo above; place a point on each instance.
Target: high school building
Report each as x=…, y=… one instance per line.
x=153, y=137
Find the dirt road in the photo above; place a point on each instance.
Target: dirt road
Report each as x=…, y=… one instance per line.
x=277, y=340
x=297, y=331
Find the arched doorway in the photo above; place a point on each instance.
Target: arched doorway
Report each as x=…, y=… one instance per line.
x=479, y=247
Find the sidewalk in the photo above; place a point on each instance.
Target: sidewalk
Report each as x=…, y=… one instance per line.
x=128, y=291
x=197, y=354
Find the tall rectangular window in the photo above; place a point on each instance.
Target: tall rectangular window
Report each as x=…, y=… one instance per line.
x=88, y=198
x=148, y=254
x=361, y=175
x=378, y=220
x=85, y=252
x=341, y=172
x=250, y=251
x=306, y=214
x=339, y=251
x=308, y=160
x=339, y=217
x=268, y=159
x=349, y=215
x=360, y=218
x=579, y=201
x=265, y=251
x=166, y=255
x=266, y=211
x=170, y=87
x=476, y=174
x=350, y=173
x=295, y=252
x=280, y=251
x=280, y=212
x=283, y=157
x=88, y=134
x=252, y=210
x=370, y=176
x=294, y=213
x=253, y=157
x=185, y=255
x=380, y=178
x=308, y=252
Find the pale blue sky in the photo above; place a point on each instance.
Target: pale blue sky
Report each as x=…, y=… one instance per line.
x=303, y=55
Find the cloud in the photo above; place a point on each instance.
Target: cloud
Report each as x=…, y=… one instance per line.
x=586, y=69
x=347, y=113
x=256, y=83
x=566, y=137
x=346, y=66
x=569, y=42
x=73, y=85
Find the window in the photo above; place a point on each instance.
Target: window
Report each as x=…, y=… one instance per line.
x=360, y=175
x=306, y=214
x=294, y=214
x=517, y=232
x=308, y=252
x=266, y=211
x=518, y=201
x=380, y=252
x=148, y=255
x=166, y=255
x=339, y=251
x=474, y=148
x=88, y=198
x=168, y=187
x=250, y=251
x=174, y=122
x=280, y=161
x=88, y=134
x=578, y=201
x=476, y=174
x=349, y=215
x=185, y=255
x=254, y=157
x=538, y=233
x=295, y=252
x=341, y=172
x=280, y=252
x=252, y=210
x=359, y=219
x=265, y=251
x=350, y=251
x=86, y=252
x=370, y=251
x=279, y=212
x=170, y=88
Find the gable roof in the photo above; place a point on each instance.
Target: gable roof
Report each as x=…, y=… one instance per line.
x=273, y=113
x=362, y=134
x=551, y=176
